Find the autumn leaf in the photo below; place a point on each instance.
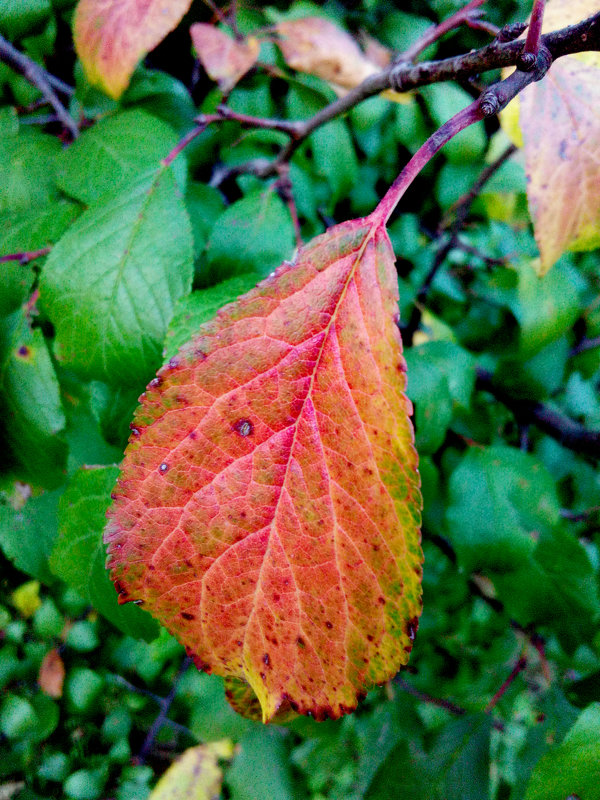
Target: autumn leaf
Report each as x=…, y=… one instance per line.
x=195, y=775
x=268, y=506
x=224, y=59
x=51, y=676
x=557, y=121
x=111, y=36
x=318, y=47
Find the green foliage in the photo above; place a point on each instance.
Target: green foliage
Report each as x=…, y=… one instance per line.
x=141, y=254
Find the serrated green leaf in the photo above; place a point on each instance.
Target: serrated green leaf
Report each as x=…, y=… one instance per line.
x=111, y=283
x=500, y=500
x=27, y=534
x=115, y=151
x=198, y=307
x=78, y=556
x=571, y=768
x=255, y=234
x=29, y=394
x=462, y=756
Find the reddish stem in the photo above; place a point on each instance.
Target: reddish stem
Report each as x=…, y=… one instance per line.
x=424, y=154
x=516, y=670
x=25, y=257
x=183, y=142
x=532, y=42
x=437, y=31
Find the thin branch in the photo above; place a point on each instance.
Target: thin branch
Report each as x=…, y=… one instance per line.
x=516, y=670
x=563, y=429
x=162, y=717
x=183, y=143
x=25, y=257
x=579, y=516
x=40, y=79
x=293, y=129
x=584, y=345
x=431, y=35
x=447, y=705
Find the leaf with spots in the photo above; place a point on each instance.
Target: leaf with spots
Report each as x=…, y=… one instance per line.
x=268, y=506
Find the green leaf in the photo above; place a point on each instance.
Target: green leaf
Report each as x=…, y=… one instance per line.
x=443, y=102
x=198, y=307
x=461, y=755
x=27, y=534
x=111, y=283
x=335, y=159
x=500, y=500
x=547, y=307
x=571, y=768
x=429, y=391
x=556, y=586
x=78, y=556
x=260, y=768
x=116, y=151
x=455, y=363
x=29, y=395
x=255, y=234
x=204, y=204
x=24, y=17
x=27, y=170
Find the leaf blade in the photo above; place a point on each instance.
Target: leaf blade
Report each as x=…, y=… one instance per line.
x=294, y=340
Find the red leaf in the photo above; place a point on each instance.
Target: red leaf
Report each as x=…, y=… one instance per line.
x=268, y=507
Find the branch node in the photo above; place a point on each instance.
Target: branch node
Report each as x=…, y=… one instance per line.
x=526, y=62
x=511, y=32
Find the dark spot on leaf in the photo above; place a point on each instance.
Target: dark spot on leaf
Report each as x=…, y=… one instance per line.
x=263, y=676
x=381, y=600
x=276, y=598
x=163, y=468
x=244, y=427
x=23, y=351
x=300, y=642
x=411, y=628
x=193, y=435
x=155, y=382
x=329, y=625
x=135, y=432
x=186, y=615
x=266, y=659
x=174, y=362
x=369, y=637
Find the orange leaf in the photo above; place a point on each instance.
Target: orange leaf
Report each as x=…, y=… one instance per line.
x=224, y=59
x=111, y=36
x=268, y=507
x=52, y=674
x=317, y=46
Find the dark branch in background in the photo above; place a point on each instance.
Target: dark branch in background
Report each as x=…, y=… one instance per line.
x=563, y=429
x=39, y=78
x=404, y=76
x=518, y=668
x=461, y=212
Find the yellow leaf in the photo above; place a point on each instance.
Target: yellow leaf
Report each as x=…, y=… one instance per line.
x=111, y=36
x=26, y=599
x=196, y=775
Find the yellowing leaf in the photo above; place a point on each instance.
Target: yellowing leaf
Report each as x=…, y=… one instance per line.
x=224, y=59
x=111, y=36
x=268, y=507
x=196, y=775
x=560, y=120
x=317, y=46
x=26, y=599
x=557, y=121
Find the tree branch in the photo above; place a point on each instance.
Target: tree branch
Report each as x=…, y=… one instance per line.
x=25, y=257
x=464, y=15
x=563, y=429
x=39, y=78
